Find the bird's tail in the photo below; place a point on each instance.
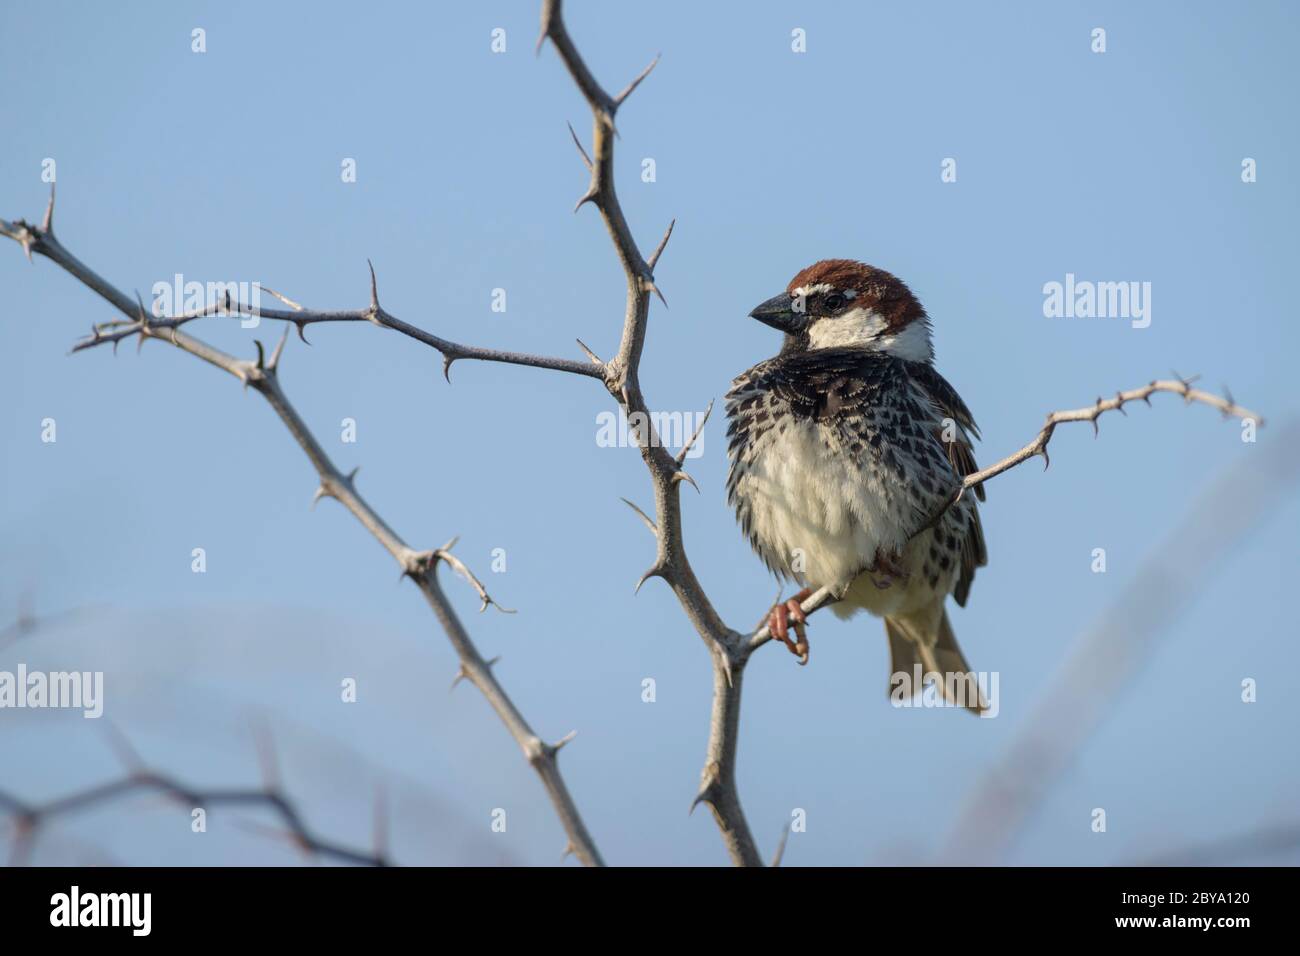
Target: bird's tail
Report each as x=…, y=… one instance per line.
x=923, y=643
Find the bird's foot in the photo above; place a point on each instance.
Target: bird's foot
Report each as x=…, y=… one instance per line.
x=787, y=615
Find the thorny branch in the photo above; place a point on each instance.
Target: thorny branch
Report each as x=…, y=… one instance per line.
x=730, y=650
x=111, y=333
x=28, y=818
x=262, y=375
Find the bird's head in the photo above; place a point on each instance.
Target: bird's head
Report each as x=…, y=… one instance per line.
x=840, y=303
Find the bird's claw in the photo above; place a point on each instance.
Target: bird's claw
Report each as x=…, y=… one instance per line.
x=779, y=622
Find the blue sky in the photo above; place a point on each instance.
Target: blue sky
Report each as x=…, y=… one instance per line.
x=225, y=166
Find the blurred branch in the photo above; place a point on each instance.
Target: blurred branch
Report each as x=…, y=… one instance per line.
x=1261, y=842
x=1112, y=652
x=262, y=375
x=30, y=817
x=27, y=622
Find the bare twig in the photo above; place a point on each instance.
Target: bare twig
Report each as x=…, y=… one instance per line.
x=111, y=333
x=262, y=375
x=1038, y=446
x=1091, y=413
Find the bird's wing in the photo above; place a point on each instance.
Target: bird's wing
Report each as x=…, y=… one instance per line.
x=961, y=454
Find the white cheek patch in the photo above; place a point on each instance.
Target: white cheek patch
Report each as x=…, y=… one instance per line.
x=912, y=343
x=855, y=327
x=863, y=328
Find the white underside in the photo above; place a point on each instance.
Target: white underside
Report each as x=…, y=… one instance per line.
x=826, y=517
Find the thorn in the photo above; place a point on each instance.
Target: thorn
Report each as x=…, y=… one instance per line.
x=727, y=670
x=578, y=143
x=283, y=298
x=780, y=847
x=644, y=517
x=122, y=747
x=563, y=741
x=704, y=796
x=1119, y=403
x=659, y=249
x=492, y=662
x=569, y=850
x=300, y=326
x=47, y=223
x=1227, y=397
x=651, y=287
x=618, y=100
x=375, y=310
x=461, y=674
x=655, y=572
x=699, y=429
x=683, y=476
x=588, y=196
x=261, y=354
x=1096, y=429
x=590, y=354
x=1046, y=460
x=279, y=349
x=446, y=366
x=321, y=492
x=144, y=323
x=351, y=477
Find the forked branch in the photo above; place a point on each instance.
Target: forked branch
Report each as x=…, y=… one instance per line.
x=262, y=375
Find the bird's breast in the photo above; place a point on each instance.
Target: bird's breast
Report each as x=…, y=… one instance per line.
x=815, y=510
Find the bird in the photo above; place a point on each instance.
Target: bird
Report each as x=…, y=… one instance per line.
x=842, y=449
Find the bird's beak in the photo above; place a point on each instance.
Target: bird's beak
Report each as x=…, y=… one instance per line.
x=781, y=313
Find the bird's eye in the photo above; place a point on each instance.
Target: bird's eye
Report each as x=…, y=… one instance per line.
x=833, y=301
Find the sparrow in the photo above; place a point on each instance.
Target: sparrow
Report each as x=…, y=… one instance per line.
x=842, y=449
